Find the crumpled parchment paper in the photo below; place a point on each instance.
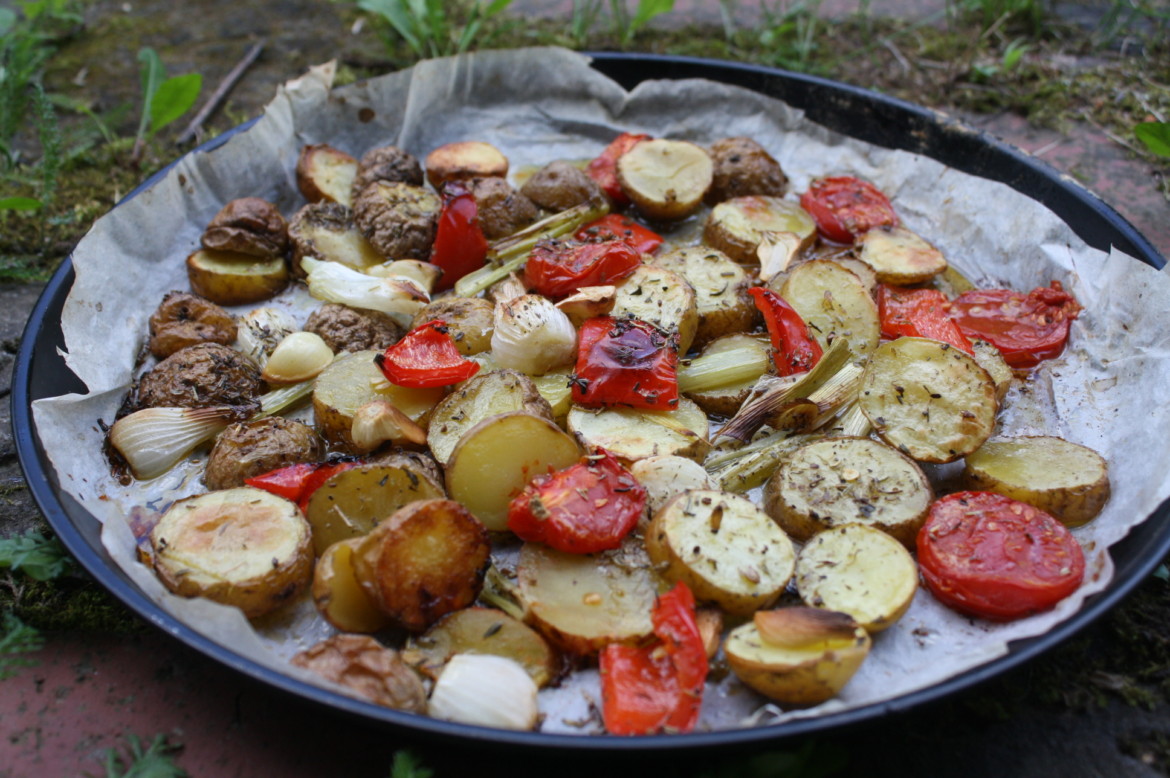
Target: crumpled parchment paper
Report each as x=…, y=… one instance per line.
x=543, y=104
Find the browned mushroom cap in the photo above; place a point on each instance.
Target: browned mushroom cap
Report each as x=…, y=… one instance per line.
x=387, y=163
x=201, y=376
x=744, y=167
x=399, y=220
x=184, y=319
x=353, y=329
x=502, y=210
x=250, y=226
x=559, y=186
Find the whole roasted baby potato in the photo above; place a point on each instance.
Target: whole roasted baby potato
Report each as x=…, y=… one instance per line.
x=326, y=174
x=464, y=159
x=399, y=220
x=744, y=167
x=560, y=185
x=502, y=210
x=666, y=179
x=386, y=163
x=326, y=231
x=371, y=670
x=201, y=376
x=243, y=547
x=470, y=321
x=353, y=329
x=426, y=560
x=184, y=319
x=250, y=448
x=249, y=225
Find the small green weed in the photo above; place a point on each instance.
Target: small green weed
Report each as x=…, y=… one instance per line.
x=18, y=639
x=407, y=764
x=155, y=762
x=1030, y=14
x=40, y=558
x=625, y=27
x=163, y=99
x=790, y=34
x=1156, y=137
x=429, y=29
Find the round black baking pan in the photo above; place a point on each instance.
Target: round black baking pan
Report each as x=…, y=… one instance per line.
x=41, y=372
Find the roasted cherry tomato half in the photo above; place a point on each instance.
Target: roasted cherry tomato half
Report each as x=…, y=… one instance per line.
x=426, y=357
x=657, y=688
x=990, y=556
x=603, y=169
x=845, y=207
x=584, y=508
x=793, y=349
x=1026, y=329
x=615, y=226
x=558, y=269
x=460, y=246
x=918, y=313
x=625, y=362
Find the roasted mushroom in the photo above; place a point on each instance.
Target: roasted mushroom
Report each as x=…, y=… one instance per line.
x=559, y=186
x=249, y=226
x=386, y=163
x=249, y=448
x=743, y=167
x=399, y=220
x=202, y=376
x=502, y=210
x=184, y=319
x=353, y=329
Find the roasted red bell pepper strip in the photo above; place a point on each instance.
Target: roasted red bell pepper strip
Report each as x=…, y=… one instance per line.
x=615, y=226
x=558, y=268
x=460, y=246
x=582, y=509
x=625, y=362
x=603, y=169
x=918, y=313
x=658, y=688
x=845, y=208
x=298, y=482
x=793, y=349
x=1026, y=329
x=426, y=357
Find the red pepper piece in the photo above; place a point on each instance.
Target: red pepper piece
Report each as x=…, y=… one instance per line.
x=918, y=313
x=794, y=350
x=603, y=169
x=557, y=269
x=582, y=509
x=298, y=482
x=658, y=688
x=426, y=357
x=460, y=246
x=1026, y=329
x=845, y=207
x=615, y=226
x=625, y=362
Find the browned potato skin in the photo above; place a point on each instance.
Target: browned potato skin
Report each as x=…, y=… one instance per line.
x=744, y=167
x=184, y=319
x=399, y=220
x=326, y=174
x=250, y=448
x=502, y=210
x=353, y=329
x=232, y=278
x=421, y=464
x=249, y=225
x=202, y=376
x=425, y=561
x=560, y=185
x=386, y=163
x=364, y=665
x=308, y=225
x=339, y=596
x=464, y=159
x=470, y=321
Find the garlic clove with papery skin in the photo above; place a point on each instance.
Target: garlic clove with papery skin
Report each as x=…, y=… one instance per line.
x=486, y=691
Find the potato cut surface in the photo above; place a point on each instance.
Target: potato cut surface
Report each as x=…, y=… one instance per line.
x=636, y=434
x=834, y=303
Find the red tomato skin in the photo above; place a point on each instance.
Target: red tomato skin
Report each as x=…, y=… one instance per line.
x=615, y=226
x=426, y=357
x=989, y=556
x=298, y=482
x=1027, y=329
x=625, y=362
x=603, y=169
x=557, y=269
x=918, y=313
x=582, y=509
x=793, y=349
x=460, y=246
x=845, y=208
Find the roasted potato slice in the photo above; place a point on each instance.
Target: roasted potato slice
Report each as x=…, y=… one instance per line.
x=243, y=547
x=353, y=380
x=992, y=361
x=464, y=159
x=927, y=399
x=720, y=285
x=339, y=596
x=666, y=179
x=724, y=548
x=752, y=356
x=482, y=396
x=583, y=602
x=497, y=458
x=632, y=434
x=229, y=278
x=326, y=174
x=469, y=320
x=836, y=481
x=834, y=303
x=354, y=501
x=738, y=226
x=860, y=571
x=371, y=670
x=426, y=560
x=482, y=631
x=1065, y=479
x=661, y=297
x=820, y=653
x=664, y=477
x=900, y=256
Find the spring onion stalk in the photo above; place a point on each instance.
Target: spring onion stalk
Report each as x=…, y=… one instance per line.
x=509, y=254
x=836, y=393
x=500, y=592
x=398, y=296
x=153, y=440
x=485, y=690
x=721, y=369
x=285, y=397
x=852, y=422
x=755, y=466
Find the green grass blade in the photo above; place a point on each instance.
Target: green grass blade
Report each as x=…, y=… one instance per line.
x=1155, y=136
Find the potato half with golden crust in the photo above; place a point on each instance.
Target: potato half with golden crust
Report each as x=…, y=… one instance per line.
x=665, y=477
x=326, y=174
x=469, y=320
x=860, y=571
x=243, y=547
x=371, y=670
x=724, y=548
x=250, y=448
x=338, y=594
x=480, y=397
x=426, y=560
x=744, y=167
x=899, y=256
x=326, y=231
x=464, y=159
x=1065, y=479
x=836, y=481
x=666, y=179
x=229, y=278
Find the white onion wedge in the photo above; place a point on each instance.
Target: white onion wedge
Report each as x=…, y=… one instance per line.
x=399, y=296
x=153, y=440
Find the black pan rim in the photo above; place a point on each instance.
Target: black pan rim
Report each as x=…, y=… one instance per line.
x=1152, y=538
